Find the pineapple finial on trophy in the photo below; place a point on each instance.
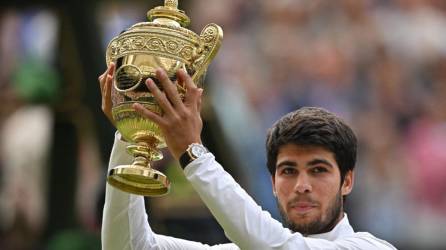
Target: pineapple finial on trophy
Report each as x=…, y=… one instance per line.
x=169, y=14
x=171, y=3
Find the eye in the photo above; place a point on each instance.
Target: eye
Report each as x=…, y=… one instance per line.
x=318, y=170
x=289, y=171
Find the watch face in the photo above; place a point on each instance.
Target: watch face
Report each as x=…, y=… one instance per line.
x=198, y=150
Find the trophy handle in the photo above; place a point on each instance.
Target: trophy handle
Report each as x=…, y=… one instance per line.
x=210, y=37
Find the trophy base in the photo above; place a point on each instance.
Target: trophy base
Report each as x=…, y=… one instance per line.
x=139, y=180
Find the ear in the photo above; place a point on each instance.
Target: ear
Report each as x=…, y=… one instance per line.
x=349, y=180
x=273, y=183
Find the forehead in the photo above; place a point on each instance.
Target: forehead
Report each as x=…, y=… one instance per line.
x=303, y=154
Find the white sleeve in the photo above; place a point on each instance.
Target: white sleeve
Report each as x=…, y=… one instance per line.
x=124, y=220
x=245, y=223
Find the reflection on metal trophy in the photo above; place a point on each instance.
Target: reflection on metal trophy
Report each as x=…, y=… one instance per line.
x=163, y=42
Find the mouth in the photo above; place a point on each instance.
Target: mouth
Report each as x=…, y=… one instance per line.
x=303, y=207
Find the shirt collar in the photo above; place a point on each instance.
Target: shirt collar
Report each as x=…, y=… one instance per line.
x=342, y=229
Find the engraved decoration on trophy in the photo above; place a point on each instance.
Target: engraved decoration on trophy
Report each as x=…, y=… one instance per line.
x=163, y=42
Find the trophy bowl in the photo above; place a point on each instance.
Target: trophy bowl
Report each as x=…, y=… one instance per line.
x=162, y=42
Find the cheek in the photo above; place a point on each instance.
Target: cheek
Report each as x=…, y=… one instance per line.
x=326, y=191
x=283, y=189
x=283, y=185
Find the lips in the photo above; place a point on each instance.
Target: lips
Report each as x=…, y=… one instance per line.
x=303, y=207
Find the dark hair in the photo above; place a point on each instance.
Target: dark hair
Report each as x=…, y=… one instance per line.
x=310, y=126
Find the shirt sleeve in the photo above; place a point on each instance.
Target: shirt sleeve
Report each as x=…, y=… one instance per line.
x=245, y=223
x=124, y=222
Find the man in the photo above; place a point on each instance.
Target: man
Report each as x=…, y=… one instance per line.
x=311, y=156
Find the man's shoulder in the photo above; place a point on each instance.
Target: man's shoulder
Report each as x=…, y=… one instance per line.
x=368, y=241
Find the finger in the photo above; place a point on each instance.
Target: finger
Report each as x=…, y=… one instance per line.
x=109, y=80
x=192, y=92
x=106, y=99
x=110, y=70
x=101, y=81
x=108, y=88
x=169, y=88
x=200, y=100
x=185, y=78
x=101, y=77
x=160, y=97
x=148, y=114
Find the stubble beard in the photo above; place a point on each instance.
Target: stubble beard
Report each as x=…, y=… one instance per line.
x=318, y=225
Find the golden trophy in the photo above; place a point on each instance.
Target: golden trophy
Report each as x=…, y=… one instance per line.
x=163, y=42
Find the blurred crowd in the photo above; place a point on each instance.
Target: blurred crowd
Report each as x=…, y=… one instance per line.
x=379, y=64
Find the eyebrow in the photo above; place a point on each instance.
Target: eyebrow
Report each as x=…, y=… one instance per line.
x=286, y=163
x=319, y=161
x=309, y=164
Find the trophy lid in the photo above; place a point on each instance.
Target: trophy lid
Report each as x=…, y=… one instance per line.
x=165, y=41
x=169, y=14
x=165, y=35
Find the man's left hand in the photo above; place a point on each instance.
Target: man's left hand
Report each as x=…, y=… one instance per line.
x=180, y=122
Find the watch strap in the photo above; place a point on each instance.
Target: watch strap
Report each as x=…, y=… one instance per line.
x=191, y=154
x=185, y=159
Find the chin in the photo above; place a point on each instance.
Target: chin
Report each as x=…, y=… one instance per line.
x=304, y=218
x=309, y=216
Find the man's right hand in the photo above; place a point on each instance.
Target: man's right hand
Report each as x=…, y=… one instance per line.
x=105, y=83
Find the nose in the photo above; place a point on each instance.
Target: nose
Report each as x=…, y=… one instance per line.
x=303, y=184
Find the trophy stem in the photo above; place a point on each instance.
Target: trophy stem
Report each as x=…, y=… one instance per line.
x=142, y=162
x=139, y=177
x=144, y=153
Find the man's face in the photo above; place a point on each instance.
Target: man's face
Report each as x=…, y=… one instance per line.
x=307, y=183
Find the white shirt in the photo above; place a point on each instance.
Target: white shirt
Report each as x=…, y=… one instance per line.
x=125, y=225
